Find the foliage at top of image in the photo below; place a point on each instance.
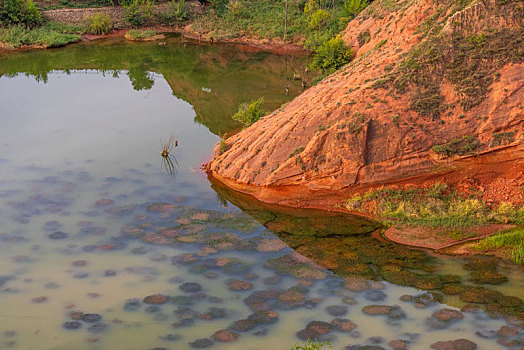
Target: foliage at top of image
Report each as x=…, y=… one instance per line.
x=99, y=23
x=248, y=113
x=332, y=55
x=20, y=12
x=176, y=11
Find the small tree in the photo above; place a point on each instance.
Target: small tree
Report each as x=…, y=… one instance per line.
x=14, y=12
x=249, y=113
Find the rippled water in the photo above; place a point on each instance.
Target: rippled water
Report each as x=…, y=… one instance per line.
x=102, y=248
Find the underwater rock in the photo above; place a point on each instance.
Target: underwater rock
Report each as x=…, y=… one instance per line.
x=186, y=322
x=447, y=315
x=343, y=325
x=272, y=280
x=58, y=235
x=264, y=317
x=364, y=347
x=97, y=328
x=356, y=284
x=132, y=305
x=243, y=325
x=225, y=336
x=72, y=325
x=201, y=343
x=103, y=202
x=375, y=295
x=156, y=299
x=91, y=318
x=377, y=309
x=479, y=295
x=458, y=344
x=171, y=337
x=239, y=285
x=109, y=273
x=398, y=344
x=38, y=300
x=152, y=309
x=81, y=275
x=337, y=310
x=213, y=313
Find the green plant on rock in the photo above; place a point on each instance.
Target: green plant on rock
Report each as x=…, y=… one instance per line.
x=15, y=12
x=332, y=55
x=511, y=240
x=249, y=113
x=99, y=23
x=461, y=147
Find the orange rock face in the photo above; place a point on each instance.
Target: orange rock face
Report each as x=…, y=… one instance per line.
x=349, y=133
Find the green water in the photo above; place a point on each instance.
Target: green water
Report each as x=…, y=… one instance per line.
x=91, y=222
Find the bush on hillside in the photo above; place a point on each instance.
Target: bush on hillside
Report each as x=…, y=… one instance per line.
x=99, y=23
x=332, y=55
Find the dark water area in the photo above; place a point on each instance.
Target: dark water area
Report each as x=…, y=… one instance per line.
x=102, y=247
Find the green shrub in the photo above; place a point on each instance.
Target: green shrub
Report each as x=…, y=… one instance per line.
x=249, y=113
x=14, y=12
x=133, y=13
x=176, y=11
x=235, y=8
x=332, y=55
x=99, y=23
x=319, y=19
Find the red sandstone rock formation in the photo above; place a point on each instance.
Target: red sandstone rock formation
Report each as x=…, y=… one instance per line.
x=374, y=122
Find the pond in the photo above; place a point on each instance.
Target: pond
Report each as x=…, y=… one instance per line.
x=104, y=245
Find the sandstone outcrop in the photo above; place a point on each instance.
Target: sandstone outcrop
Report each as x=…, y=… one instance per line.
x=435, y=93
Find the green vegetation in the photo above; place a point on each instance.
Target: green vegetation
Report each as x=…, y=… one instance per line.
x=19, y=12
x=249, y=113
x=48, y=35
x=99, y=23
x=140, y=34
x=461, y=147
x=137, y=12
x=176, y=12
x=511, y=241
x=436, y=206
x=312, y=345
x=332, y=55
x=502, y=138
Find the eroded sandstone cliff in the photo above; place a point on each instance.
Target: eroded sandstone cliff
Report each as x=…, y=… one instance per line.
x=435, y=93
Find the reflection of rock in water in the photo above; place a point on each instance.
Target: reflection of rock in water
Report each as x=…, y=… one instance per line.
x=297, y=222
x=342, y=244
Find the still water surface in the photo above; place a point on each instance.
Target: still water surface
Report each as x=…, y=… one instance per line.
x=102, y=248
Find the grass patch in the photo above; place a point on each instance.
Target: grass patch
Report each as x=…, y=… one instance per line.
x=140, y=34
x=48, y=35
x=512, y=241
x=436, y=206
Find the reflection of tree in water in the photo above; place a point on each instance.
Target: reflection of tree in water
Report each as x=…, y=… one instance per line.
x=140, y=78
